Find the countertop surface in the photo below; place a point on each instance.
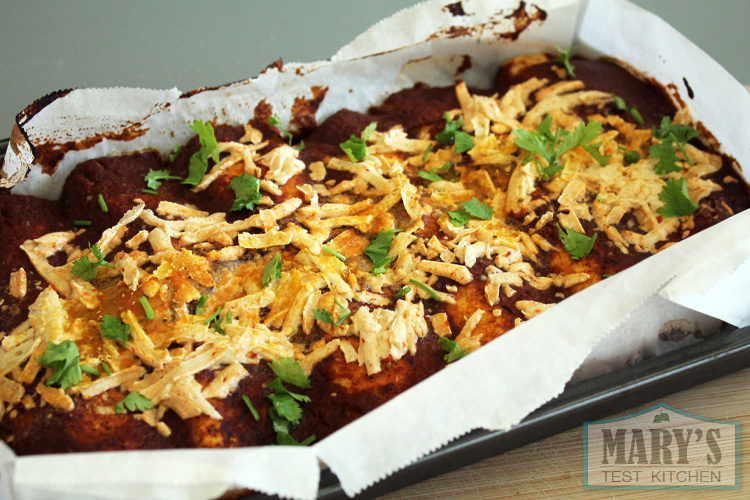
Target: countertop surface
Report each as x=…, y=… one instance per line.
x=553, y=468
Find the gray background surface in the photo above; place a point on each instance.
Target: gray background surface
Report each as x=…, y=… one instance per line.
x=47, y=46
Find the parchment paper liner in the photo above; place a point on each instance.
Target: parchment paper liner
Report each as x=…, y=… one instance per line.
x=501, y=383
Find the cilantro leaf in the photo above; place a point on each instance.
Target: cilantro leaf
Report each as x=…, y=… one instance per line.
x=402, y=293
x=154, y=178
x=550, y=147
x=106, y=367
x=564, y=58
x=286, y=407
x=322, y=315
x=356, y=148
x=578, y=245
x=64, y=359
x=451, y=127
x=429, y=175
x=272, y=270
x=464, y=142
x=479, y=210
x=454, y=351
x=209, y=149
x=201, y=305
x=134, y=401
x=593, y=150
x=677, y=202
x=274, y=121
x=667, y=158
x=246, y=192
x=671, y=134
x=113, y=328
x=459, y=217
x=285, y=411
x=444, y=166
x=378, y=248
x=85, y=268
x=290, y=371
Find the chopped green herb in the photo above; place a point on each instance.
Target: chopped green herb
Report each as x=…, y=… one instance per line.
x=209, y=149
x=637, y=116
x=605, y=275
x=451, y=127
x=454, y=351
x=619, y=102
x=464, y=142
x=550, y=147
x=593, y=150
x=402, y=293
x=477, y=209
x=290, y=371
x=102, y=203
x=85, y=268
x=272, y=270
x=90, y=370
x=300, y=146
x=631, y=157
x=670, y=134
x=201, y=305
x=429, y=175
x=150, y=191
x=134, y=402
x=459, y=217
x=246, y=192
x=356, y=148
x=147, y=308
x=64, y=359
x=81, y=223
x=578, y=245
x=106, y=367
x=427, y=152
x=427, y=289
x=217, y=320
x=285, y=411
x=444, y=166
x=154, y=178
x=250, y=407
x=334, y=253
x=378, y=249
x=112, y=328
x=564, y=58
x=677, y=202
x=346, y=312
x=274, y=121
x=322, y=315
x=472, y=208
x=174, y=153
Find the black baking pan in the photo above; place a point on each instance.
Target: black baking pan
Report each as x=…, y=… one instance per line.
x=593, y=399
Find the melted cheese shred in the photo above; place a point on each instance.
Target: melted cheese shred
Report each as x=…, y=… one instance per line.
x=180, y=254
